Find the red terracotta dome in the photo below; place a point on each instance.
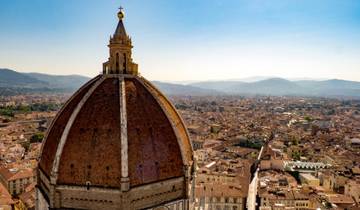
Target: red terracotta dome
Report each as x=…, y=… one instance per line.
x=83, y=144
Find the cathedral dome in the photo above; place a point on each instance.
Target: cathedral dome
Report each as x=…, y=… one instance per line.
x=117, y=143
x=115, y=127
x=84, y=144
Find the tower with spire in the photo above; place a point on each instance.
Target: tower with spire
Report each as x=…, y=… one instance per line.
x=117, y=143
x=120, y=46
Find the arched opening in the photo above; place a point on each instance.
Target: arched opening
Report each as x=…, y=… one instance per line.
x=117, y=67
x=124, y=64
x=88, y=183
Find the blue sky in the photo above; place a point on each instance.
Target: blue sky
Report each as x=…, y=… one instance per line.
x=186, y=39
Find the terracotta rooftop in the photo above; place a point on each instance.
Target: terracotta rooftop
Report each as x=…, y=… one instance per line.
x=28, y=197
x=340, y=199
x=220, y=190
x=10, y=174
x=5, y=197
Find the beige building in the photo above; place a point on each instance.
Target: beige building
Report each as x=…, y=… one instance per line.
x=27, y=199
x=278, y=200
x=219, y=196
x=309, y=179
x=283, y=199
x=340, y=201
x=352, y=189
x=16, y=180
x=222, y=185
x=210, y=177
x=326, y=180
x=338, y=181
x=118, y=143
x=302, y=201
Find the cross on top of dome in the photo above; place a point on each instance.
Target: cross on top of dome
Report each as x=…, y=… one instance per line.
x=121, y=13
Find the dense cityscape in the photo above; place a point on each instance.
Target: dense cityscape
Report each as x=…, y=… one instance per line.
x=236, y=105
x=251, y=152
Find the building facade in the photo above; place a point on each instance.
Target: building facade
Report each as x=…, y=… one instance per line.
x=219, y=196
x=16, y=180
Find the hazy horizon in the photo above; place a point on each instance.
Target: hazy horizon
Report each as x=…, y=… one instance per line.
x=186, y=40
x=185, y=82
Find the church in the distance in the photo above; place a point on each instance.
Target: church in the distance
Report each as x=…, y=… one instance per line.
x=117, y=143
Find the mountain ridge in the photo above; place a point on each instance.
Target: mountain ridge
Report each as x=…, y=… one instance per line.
x=18, y=83
x=14, y=83
x=283, y=87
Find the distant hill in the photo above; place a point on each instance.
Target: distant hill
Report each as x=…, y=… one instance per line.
x=12, y=82
x=10, y=78
x=272, y=86
x=223, y=86
x=283, y=87
x=175, y=89
x=59, y=81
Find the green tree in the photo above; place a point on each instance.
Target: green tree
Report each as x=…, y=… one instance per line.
x=23, y=109
x=294, y=141
x=26, y=145
x=38, y=137
x=308, y=118
x=9, y=112
x=296, y=155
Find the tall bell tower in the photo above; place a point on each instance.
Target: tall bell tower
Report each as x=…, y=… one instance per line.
x=120, y=60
